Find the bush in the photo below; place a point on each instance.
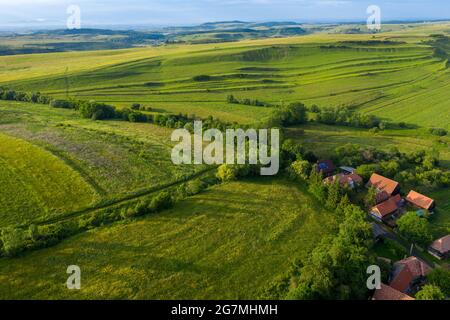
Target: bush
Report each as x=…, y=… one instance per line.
x=63, y=104
x=14, y=241
x=97, y=111
x=440, y=132
x=161, y=202
x=136, y=106
x=202, y=77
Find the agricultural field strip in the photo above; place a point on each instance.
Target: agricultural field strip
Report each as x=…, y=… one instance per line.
x=134, y=196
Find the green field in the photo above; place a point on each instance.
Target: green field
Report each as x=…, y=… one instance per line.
x=234, y=239
x=62, y=163
x=37, y=184
x=390, y=75
x=226, y=243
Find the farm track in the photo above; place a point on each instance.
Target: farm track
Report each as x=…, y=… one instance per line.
x=111, y=203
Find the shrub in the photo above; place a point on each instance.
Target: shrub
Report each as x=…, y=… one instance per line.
x=202, y=77
x=161, y=202
x=14, y=241
x=97, y=111
x=440, y=132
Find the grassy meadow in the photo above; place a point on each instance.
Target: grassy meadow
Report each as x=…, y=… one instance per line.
x=225, y=243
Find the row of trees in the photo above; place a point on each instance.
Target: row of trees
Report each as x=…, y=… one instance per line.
x=248, y=102
x=345, y=116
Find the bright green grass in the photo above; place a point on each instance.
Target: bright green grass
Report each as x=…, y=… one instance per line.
x=440, y=221
x=117, y=158
x=37, y=184
x=398, y=81
x=226, y=243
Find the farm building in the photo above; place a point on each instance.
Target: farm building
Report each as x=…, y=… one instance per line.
x=385, y=187
x=440, y=248
x=347, y=170
x=326, y=167
x=408, y=274
x=420, y=201
x=388, y=293
x=351, y=180
x=386, y=209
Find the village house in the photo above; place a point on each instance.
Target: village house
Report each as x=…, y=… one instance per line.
x=351, y=180
x=440, y=248
x=408, y=275
x=326, y=167
x=347, y=170
x=388, y=293
x=420, y=201
x=385, y=210
x=385, y=187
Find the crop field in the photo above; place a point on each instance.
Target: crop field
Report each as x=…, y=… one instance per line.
x=225, y=243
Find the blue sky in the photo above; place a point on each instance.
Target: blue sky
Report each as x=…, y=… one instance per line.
x=27, y=13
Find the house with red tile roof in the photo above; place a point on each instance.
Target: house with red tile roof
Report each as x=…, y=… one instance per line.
x=386, y=209
x=408, y=274
x=351, y=180
x=440, y=248
x=385, y=187
x=388, y=293
x=420, y=201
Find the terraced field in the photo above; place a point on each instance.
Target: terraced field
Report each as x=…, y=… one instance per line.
x=390, y=78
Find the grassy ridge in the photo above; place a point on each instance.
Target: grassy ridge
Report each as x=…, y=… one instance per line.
x=38, y=184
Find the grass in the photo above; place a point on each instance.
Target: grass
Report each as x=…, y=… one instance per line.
x=392, y=79
x=390, y=250
x=225, y=243
x=38, y=184
x=117, y=158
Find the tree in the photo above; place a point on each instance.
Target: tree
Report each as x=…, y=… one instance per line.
x=301, y=169
x=316, y=185
x=414, y=228
x=226, y=173
x=334, y=195
x=430, y=292
x=370, y=199
x=440, y=278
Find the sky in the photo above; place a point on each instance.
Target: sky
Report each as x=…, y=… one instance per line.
x=96, y=13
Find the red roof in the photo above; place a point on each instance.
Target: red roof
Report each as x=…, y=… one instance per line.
x=383, y=184
x=420, y=200
x=442, y=245
x=388, y=293
x=389, y=206
x=406, y=271
x=345, y=179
